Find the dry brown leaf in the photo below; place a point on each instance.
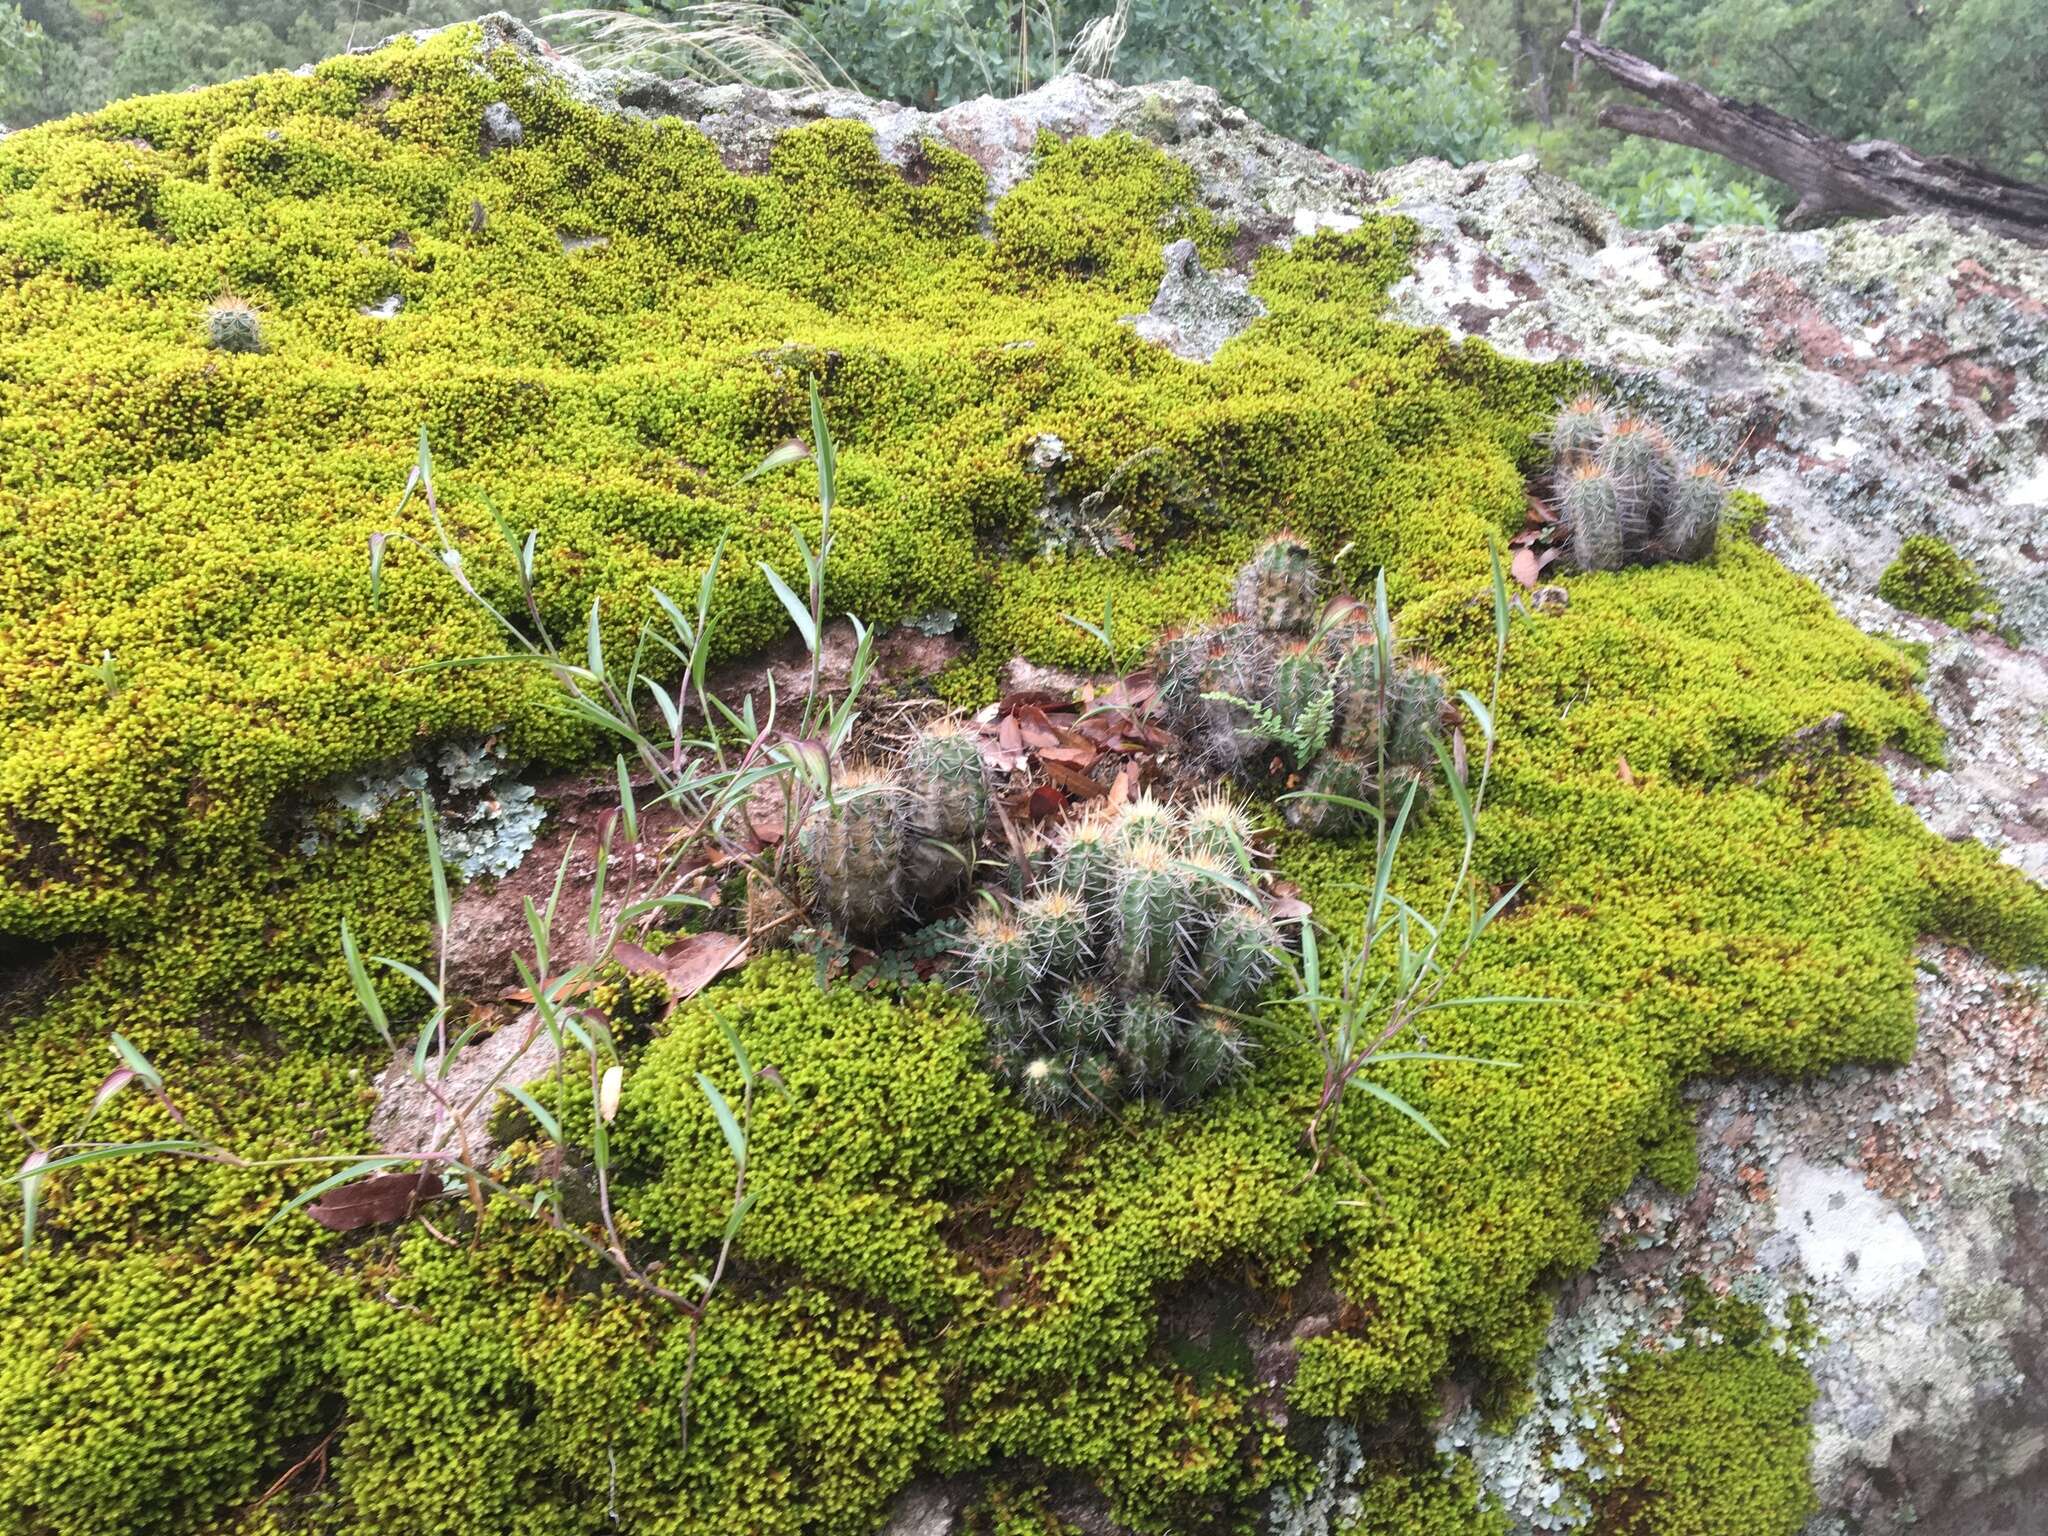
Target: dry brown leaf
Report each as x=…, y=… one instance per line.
x=1525, y=567
x=687, y=966
x=373, y=1202
x=1626, y=774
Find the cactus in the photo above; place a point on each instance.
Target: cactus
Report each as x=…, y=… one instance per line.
x=1209, y=879
x=1097, y=1083
x=1084, y=1018
x=1214, y=1052
x=1692, y=522
x=1637, y=457
x=1578, y=430
x=1043, y=1084
x=1415, y=708
x=1148, y=907
x=945, y=802
x=1218, y=825
x=1224, y=733
x=1055, y=925
x=1337, y=771
x=1346, y=622
x=1147, y=1031
x=852, y=844
x=1300, y=680
x=1237, y=957
x=1276, y=588
x=1356, y=679
x=999, y=962
x=1085, y=863
x=1177, y=666
x=1590, y=503
x=232, y=326
x=1145, y=820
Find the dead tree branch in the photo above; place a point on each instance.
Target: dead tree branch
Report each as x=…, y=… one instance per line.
x=1872, y=177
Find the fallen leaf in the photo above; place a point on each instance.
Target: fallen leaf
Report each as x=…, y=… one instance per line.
x=687, y=966
x=1035, y=729
x=1046, y=802
x=1073, y=757
x=1525, y=567
x=765, y=816
x=1545, y=557
x=1626, y=774
x=1076, y=784
x=1009, y=737
x=376, y=1201
x=1035, y=698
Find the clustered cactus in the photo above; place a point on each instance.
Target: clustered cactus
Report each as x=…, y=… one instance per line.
x=231, y=326
x=1122, y=972
x=1622, y=495
x=888, y=842
x=1272, y=691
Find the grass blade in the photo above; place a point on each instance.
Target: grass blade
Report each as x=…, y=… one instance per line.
x=735, y=1138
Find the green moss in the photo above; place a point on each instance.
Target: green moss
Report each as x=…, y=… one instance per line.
x=932, y=1280
x=1928, y=577
x=1423, y=1498
x=1714, y=1436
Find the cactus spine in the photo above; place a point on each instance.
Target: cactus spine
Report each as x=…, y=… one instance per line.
x=1356, y=679
x=1055, y=925
x=1339, y=771
x=1415, y=709
x=1693, y=522
x=1147, y=909
x=945, y=802
x=1147, y=1031
x=1590, y=502
x=1579, y=429
x=1237, y=957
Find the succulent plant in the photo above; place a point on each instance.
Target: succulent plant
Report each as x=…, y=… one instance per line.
x=1415, y=710
x=1301, y=677
x=1147, y=1032
x=232, y=326
x=1238, y=957
x=1625, y=500
x=1148, y=911
x=852, y=843
x=944, y=804
x=1355, y=675
x=1225, y=735
x=1692, y=522
x=1276, y=589
x=1343, y=772
x=1094, y=983
x=1055, y=924
x=1579, y=428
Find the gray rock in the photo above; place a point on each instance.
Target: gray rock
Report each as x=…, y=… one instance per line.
x=421, y=1114
x=502, y=130
x=1196, y=311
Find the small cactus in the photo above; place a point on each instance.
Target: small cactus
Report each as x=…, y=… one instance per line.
x=1300, y=679
x=1276, y=588
x=1218, y=825
x=1097, y=1082
x=1000, y=963
x=1692, y=522
x=1214, y=1052
x=945, y=802
x=1209, y=879
x=1147, y=1031
x=1238, y=957
x=1225, y=735
x=1085, y=863
x=1356, y=679
x=232, y=326
x=1084, y=1018
x=1145, y=820
x=1579, y=429
x=1177, y=666
x=1590, y=503
x=1055, y=925
x=852, y=844
x=1147, y=909
x=1338, y=771
x=1638, y=455
x=1043, y=1084
x=1415, y=709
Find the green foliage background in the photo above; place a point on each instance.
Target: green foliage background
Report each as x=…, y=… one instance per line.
x=1375, y=82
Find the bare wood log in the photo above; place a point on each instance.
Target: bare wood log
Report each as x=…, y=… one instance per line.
x=1832, y=179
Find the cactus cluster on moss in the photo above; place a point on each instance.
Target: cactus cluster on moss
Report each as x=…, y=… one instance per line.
x=1122, y=973
x=1285, y=688
x=884, y=843
x=1622, y=494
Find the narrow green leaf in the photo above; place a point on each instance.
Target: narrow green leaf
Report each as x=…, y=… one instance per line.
x=791, y=452
x=137, y=1063
x=739, y=1051
x=442, y=905
x=799, y=612
x=102, y=1154
x=1479, y=712
x=593, y=641
x=539, y=1111
x=627, y=809
x=412, y=974
x=359, y=978
x=735, y=1138
x=1395, y=1100
x=1500, y=594
x=31, y=1181
x=307, y=1196
x=740, y=1207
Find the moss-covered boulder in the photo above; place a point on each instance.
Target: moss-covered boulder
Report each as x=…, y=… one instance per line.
x=604, y=322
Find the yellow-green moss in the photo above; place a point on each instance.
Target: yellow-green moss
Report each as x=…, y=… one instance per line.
x=1928, y=577
x=931, y=1281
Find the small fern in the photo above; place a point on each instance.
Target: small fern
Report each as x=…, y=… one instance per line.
x=1303, y=736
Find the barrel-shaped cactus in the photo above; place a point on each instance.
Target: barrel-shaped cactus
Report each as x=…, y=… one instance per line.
x=1301, y=680
x=1335, y=786
x=1213, y=1052
x=1358, y=703
x=1692, y=522
x=232, y=326
x=1084, y=1018
x=1145, y=819
x=1045, y=1084
x=852, y=844
x=1219, y=825
x=1591, y=505
x=1084, y=861
x=1056, y=924
x=1147, y=1032
x=1148, y=911
x=1239, y=956
x=1001, y=967
x=1415, y=711
x=1277, y=587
